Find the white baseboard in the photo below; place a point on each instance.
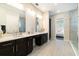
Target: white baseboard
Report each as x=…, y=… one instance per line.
x=73, y=48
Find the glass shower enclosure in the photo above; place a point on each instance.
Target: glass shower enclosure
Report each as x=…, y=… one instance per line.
x=74, y=29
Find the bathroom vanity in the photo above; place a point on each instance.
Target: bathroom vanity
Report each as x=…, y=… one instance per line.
x=21, y=45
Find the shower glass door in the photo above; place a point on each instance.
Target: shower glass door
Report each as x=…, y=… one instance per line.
x=74, y=29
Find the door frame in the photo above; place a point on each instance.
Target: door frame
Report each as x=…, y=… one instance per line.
x=64, y=26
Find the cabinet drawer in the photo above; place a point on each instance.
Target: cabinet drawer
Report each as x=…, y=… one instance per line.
x=7, y=49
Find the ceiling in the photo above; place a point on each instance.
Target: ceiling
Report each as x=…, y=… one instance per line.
x=54, y=8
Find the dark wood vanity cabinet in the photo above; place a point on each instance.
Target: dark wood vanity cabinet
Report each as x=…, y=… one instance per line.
x=21, y=47
x=7, y=48
x=24, y=46
x=41, y=39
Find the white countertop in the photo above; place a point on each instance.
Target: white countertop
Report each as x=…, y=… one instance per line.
x=8, y=37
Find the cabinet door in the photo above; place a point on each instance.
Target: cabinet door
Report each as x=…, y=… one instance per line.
x=38, y=40
x=41, y=39
x=21, y=47
x=44, y=38
x=7, y=49
x=30, y=45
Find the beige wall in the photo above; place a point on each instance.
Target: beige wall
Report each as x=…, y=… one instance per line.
x=53, y=28
x=45, y=21
x=66, y=27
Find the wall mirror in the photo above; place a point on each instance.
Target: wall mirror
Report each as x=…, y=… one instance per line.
x=22, y=24
x=13, y=18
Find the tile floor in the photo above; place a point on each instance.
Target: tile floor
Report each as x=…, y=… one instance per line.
x=53, y=48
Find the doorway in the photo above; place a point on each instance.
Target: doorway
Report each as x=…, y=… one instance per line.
x=49, y=28
x=59, y=29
